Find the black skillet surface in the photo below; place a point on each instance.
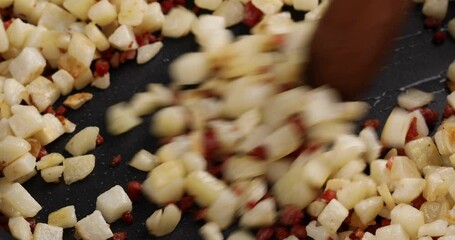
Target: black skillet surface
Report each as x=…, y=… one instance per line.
x=414, y=62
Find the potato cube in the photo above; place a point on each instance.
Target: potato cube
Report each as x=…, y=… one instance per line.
x=47, y=232
x=20, y=167
x=263, y=214
x=102, y=13
x=77, y=168
x=23, y=7
x=208, y=4
x=18, y=32
x=423, y=151
x=20, y=228
x=204, y=187
x=50, y=160
x=43, y=92
x=120, y=118
x=52, y=174
x=93, y=227
x=132, y=12
x=83, y=142
x=144, y=161
x=11, y=148
x=242, y=168
x=368, y=209
x=395, y=230
x=268, y=6
x=123, y=38
x=177, y=23
x=56, y=18
x=64, y=217
x=210, y=231
x=96, y=36
x=435, y=8
x=165, y=183
x=52, y=129
x=169, y=121
x=153, y=19
x=352, y=193
x=28, y=65
x=5, y=130
x=223, y=209
x=305, y=5
x=113, y=203
x=438, y=183
x=333, y=215
x=195, y=63
x=4, y=41
x=408, y=217
x=14, y=92
x=82, y=49
x=163, y=221
x=20, y=201
x=79, y=8
x=147, y=52
x=408, y=189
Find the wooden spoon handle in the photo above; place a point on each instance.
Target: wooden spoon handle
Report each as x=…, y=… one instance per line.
x=351, y=42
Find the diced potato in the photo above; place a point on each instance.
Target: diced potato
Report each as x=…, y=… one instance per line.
x=414, y=98
x=144, y=161
x=408, y=189
x=222, y=210
x=177, y=23
x=26, y=121
x=438, y=183
x=14, y=92
x=352, y=193
x=102, y=82
x=47, y=232
x=20, y=228
x=96, y=36
x=79, y=8
x=43, y=92
x=18, y=32
x=396, y=128
x=120, y=118
x=208, y=4
x=204, y=187
x=305, y=5
x=56, y=18
x=20, y=167
x=395, y=230
x=451, y=69
x=64, y=81
x=163, y=221
x=123, y=38
x=76, y=100
x=52, y=129
x=20, y=201
x=232, y=11
x=11, y=148
x=408, y=217
x=268, y=6
x=28, y=65
x=190, y=68
x=132, y=12
x=211, y=231
x=113, y=203
x=23, y=7
x=77, y=168
x=193, y=161
x=263, y=214
x=435, y=8
x=153, y=19
x=423, y=151
x=368, y=209
x=93, y=227
x=147, y=52
x=165, y=183
x=82, y=48
x=241, y=168
x=384, y=192
x=64, y=217
x=433, y=229
x=83, y=142
x=52, y=174
x=282, y=142
x=333, y=215
x=350, y=169
x=170, y=121
x=102, y=13
x=4, y=41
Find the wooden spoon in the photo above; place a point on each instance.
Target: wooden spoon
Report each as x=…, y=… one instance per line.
x=351, y=43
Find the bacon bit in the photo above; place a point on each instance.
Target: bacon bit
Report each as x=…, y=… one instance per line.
x=431, y=116
x=32, y=223
x=50, y=110
x=167, y=6
x=251, y=204
x=116, y=160
x=291, y=215
x=42, y=152
x=252, y=15
x=265, y=233
x=299, y=231
x=186, y=203
x=431, y=23
x=357, y=234
x=389, y=163
x=385, y=222
x=134, y=190
x=101, y=67
x=211, y=144
x=412, y=134
x=259, y=152
x=328, y=195
x=401, y=152
x=281, y=233
x=448, y=111
x=296, y=122
x=127, y=218
x=108, y=54
x=180, y=2
x=8, y=23
x=61, y=111
x=199, y=214
x=439, y=37
x=99, y=140
x=120, y=236
x=417, y=203
x=115, y=60
x=196, y=10
x=127, y=55
x=373, y=122
x=216, y=170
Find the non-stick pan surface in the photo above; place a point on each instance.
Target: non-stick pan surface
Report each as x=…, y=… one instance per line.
x=414, y=62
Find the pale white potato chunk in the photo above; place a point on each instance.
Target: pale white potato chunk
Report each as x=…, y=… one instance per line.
x=93, y=227
x=177, y=23
x=147, y=52
x=11, y=148
x=132, y=12
x=20, y=201
x=20, y=167
x=20, y=228
x=163, y=221
x=83, y=142
x=64, y=217
x=96, y=36
x=52, y=130
x=333, y=215
x=47, y=232
x=113, y=203
x=102, y=13
x=77, y=168
x=204, y=187
x=123, y=38
x=28, y=65
x=79, y=8
x=153, y=19
x=52, y=174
